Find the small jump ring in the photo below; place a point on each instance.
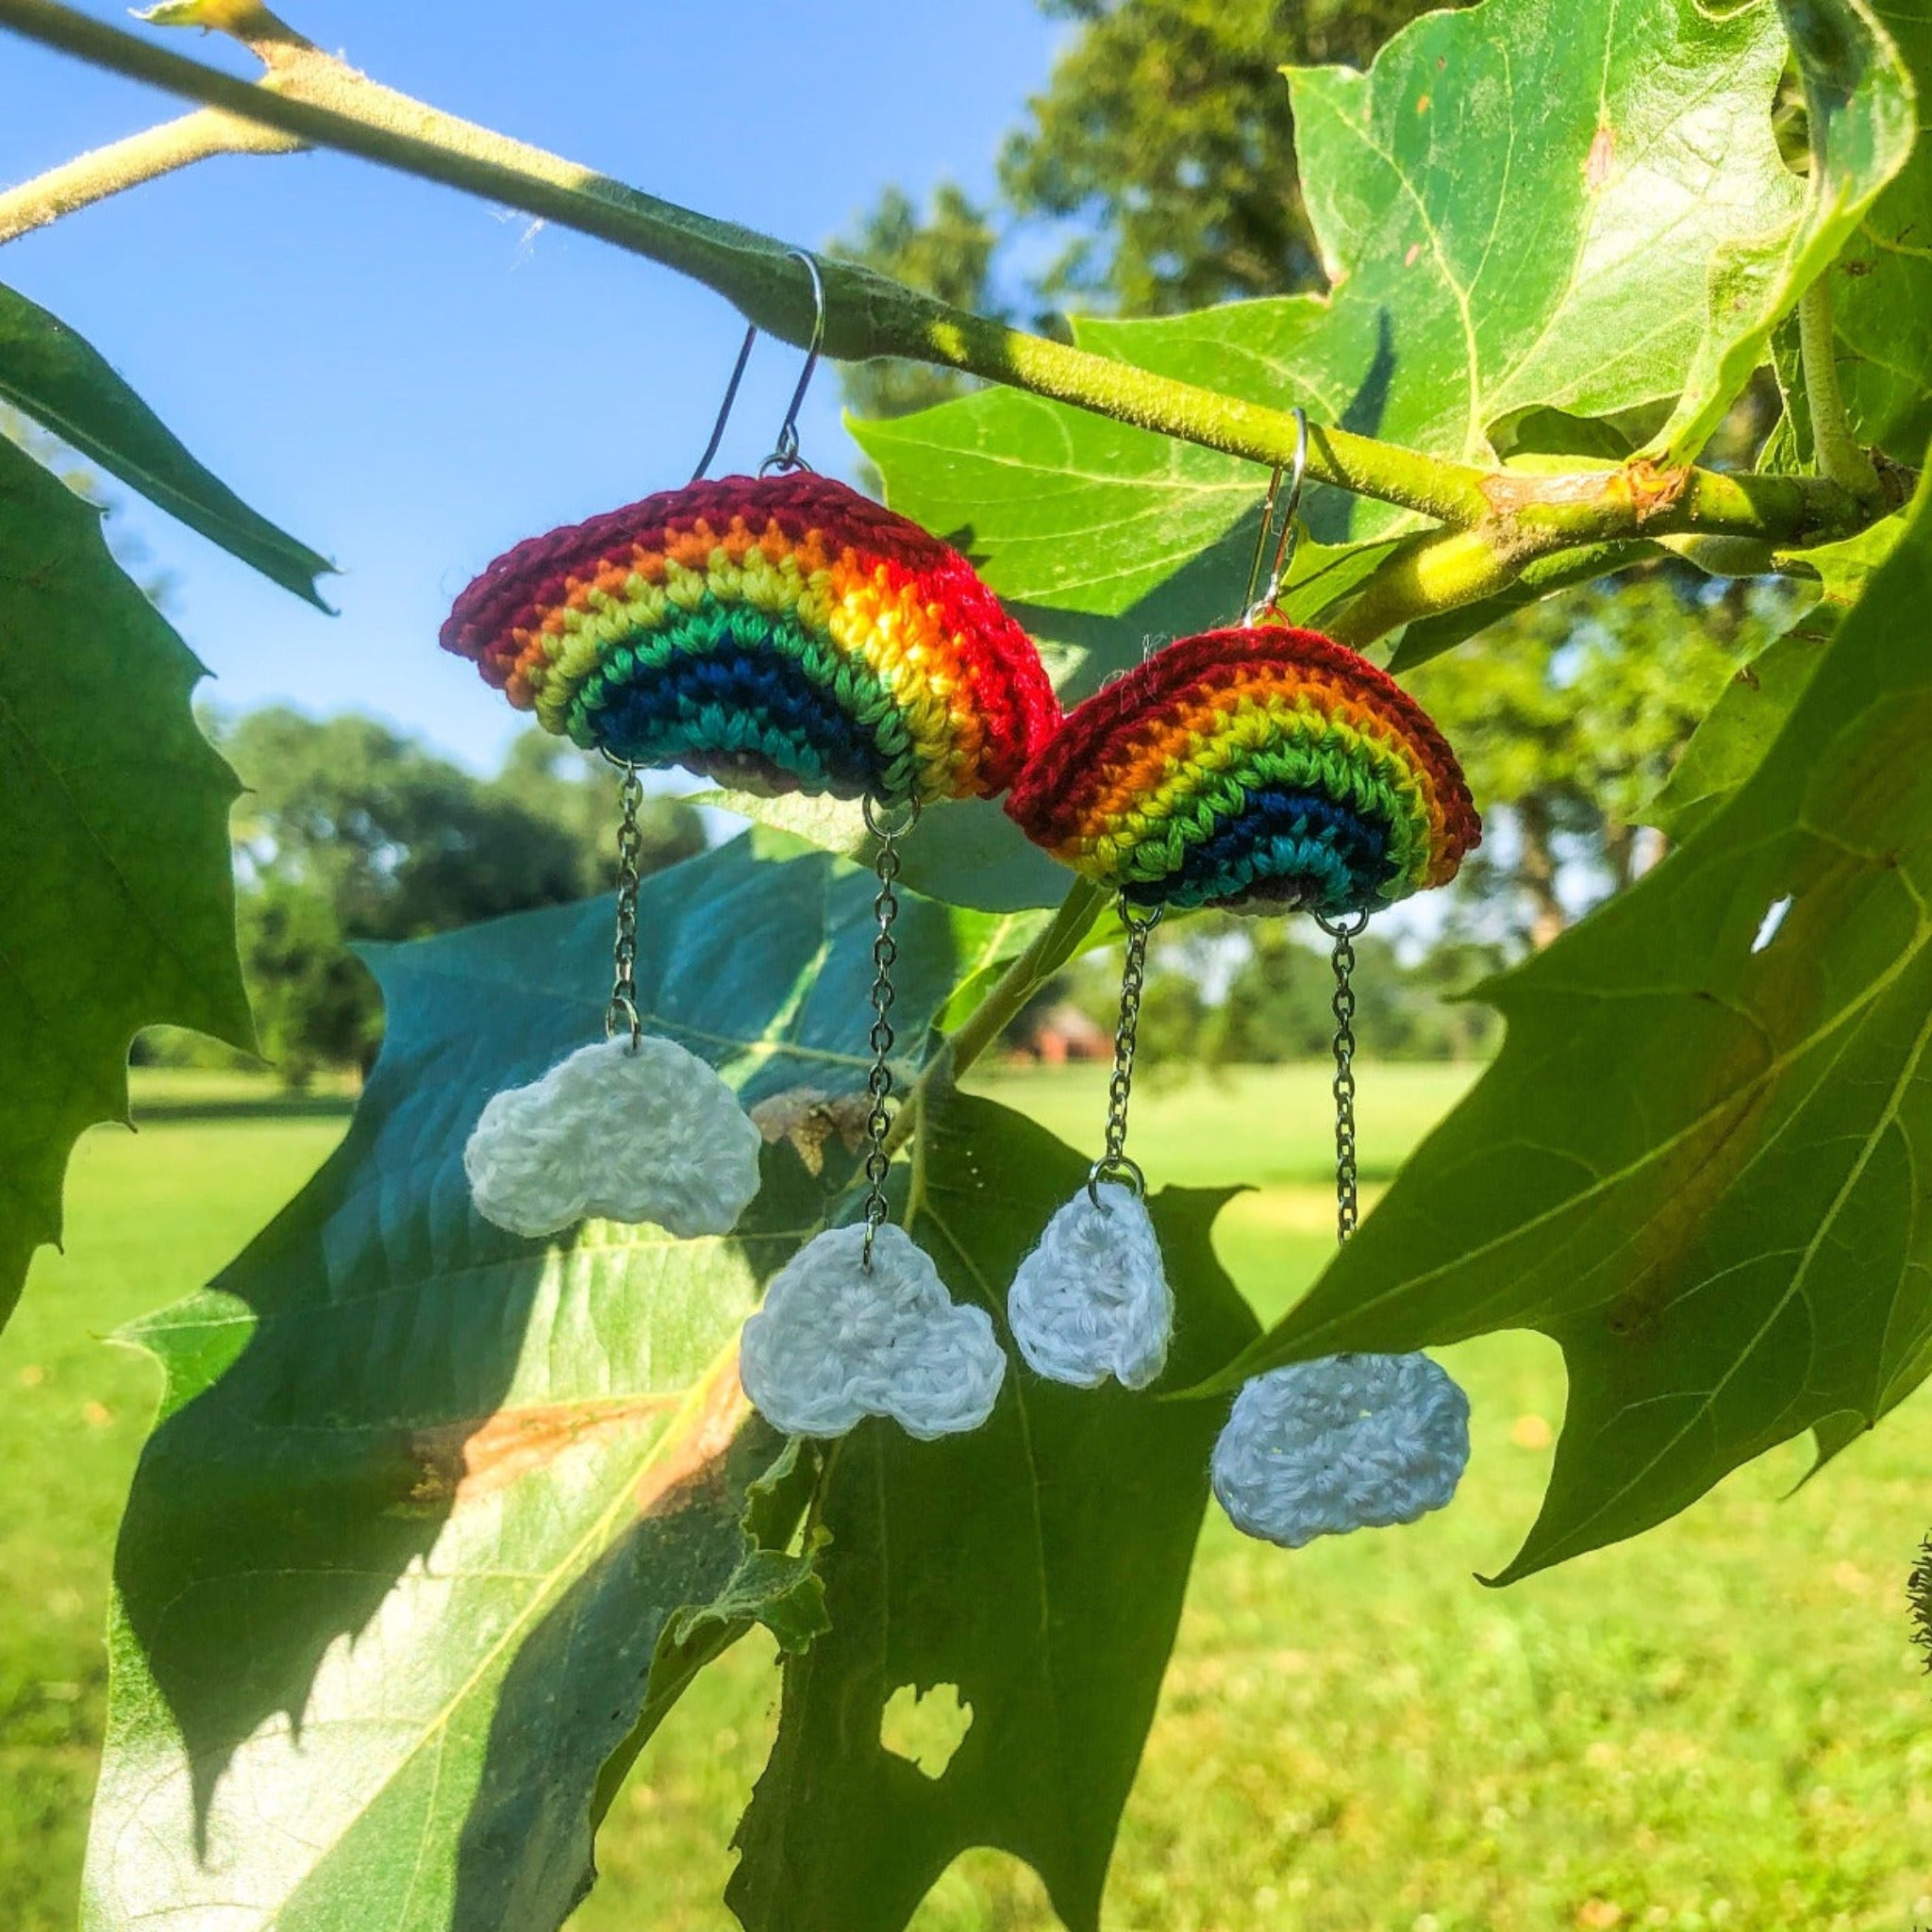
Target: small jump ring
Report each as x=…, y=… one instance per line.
x=1120, y=1169
x=1138, y=917
x=621, y=1016
x=881, y=827
x=1351, y=928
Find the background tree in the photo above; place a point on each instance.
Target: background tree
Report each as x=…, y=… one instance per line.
x=1164, y=143
x=349, y=830
x=1569, y=715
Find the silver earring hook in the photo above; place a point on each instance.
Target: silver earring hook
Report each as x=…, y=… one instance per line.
x=785, y=453
x=1261, y=538
x=751, y=335
x=1255, y=609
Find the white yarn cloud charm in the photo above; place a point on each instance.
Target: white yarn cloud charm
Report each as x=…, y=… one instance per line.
x=1092, y=1300
x=650, y=1134
x=835, y=1342
x=1355, y=1441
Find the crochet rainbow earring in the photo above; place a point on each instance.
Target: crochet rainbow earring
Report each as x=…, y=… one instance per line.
x=1261, y=768
x=783, y=634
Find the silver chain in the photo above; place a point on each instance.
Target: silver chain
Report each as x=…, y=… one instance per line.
x=621, y=1015
x=885, y=955
x=1114, y=1165
x=1344, y=933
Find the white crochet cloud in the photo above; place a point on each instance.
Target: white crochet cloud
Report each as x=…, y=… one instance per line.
x=833, y=1342
x=1092, y=1300
x=1355, y=1442
x=650, y=1135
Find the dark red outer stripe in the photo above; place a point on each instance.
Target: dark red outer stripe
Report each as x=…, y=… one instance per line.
x=514, y=591
x=1010, y=688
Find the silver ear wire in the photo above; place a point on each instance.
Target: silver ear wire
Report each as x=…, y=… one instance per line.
x=751, y=335
x=1262, y=538
x=1253, y=609
x=785, y=452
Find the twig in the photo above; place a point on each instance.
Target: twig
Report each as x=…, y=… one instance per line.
x=1055, y=944
x=92, y=178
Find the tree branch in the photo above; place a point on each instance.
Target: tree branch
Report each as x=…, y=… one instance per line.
x=316, y=99
x=106, y=171
x=1499, y=523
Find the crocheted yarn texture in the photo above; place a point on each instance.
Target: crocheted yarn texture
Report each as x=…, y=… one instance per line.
x=778, y=633
x=1262, y=767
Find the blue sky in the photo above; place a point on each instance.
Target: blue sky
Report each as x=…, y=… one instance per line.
x=410, y=380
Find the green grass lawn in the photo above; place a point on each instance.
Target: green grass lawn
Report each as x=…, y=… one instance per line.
x=1722, y=1723
x=150, y=1216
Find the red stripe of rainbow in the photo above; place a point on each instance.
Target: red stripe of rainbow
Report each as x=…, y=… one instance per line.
x=1157, y=762
x=900, y=632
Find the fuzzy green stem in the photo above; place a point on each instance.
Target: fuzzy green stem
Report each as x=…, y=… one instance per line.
x=1837, y=450
x=121, y=164
x=1547, y=530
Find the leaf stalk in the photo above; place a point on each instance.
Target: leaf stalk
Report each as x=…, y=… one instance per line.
x=1839, y=456
x=122, y=164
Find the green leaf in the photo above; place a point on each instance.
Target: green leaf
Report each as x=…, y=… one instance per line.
x=407, y=1557
x=1731, y=742
x=50, y=373
x=1037, y=1566
x=1835, y=1433
x=1488, y=200
x=1700, y=1160
x=965, y=852
x=1863, y=125
x=117, y=905
x=1881, y=282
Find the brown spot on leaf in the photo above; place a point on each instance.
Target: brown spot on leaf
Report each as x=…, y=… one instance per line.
x=460, y=1461
x=810, y=1119
x=692, y=1462
x=1603, y=152
x=456, y=1462
x=1415, y=248
x=1422, y=104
